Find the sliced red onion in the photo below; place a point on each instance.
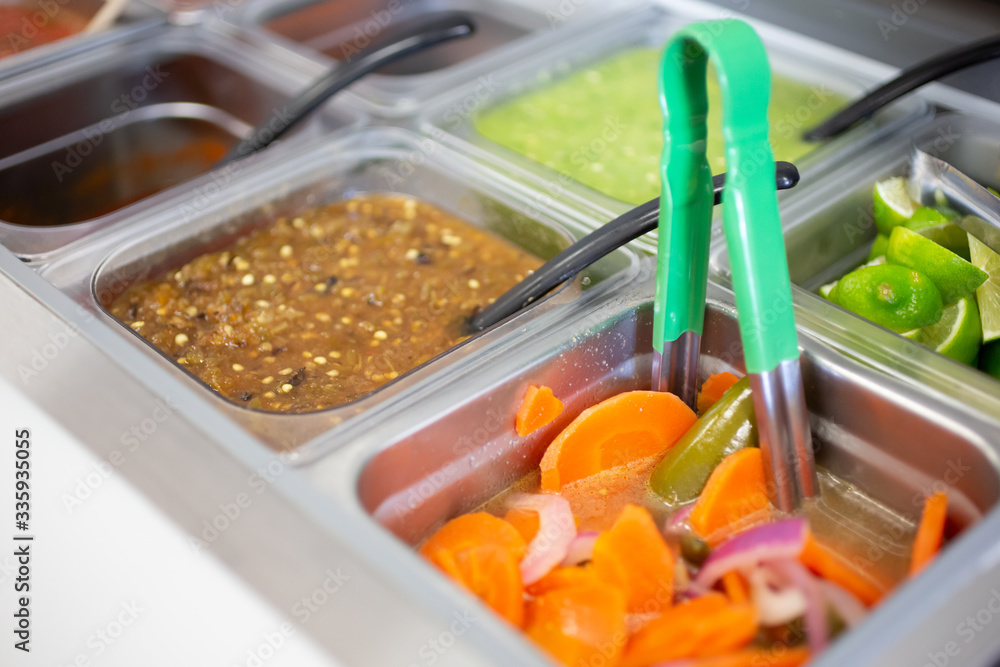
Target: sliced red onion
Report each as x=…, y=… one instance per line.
x=772, y=541
x=777, y=603
x=556, y=530
x=581, y=549
x=848, y=607
x=815, y=616
x=693, y=590
x=678, y=521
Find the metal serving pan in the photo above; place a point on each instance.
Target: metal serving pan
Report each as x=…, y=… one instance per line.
x=313, y=35
x=86, y=138
x=829, y=69
x=830, y=229
x=380, y=160
x=425, y=463
x=137, y=16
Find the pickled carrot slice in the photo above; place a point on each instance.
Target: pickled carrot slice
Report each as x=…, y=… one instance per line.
x=930, y=532
x=539, y=408
x=735, y=492
x=482, y=554
x=630, y=426
x=704, y=627
x=829, y=565
x=783, y=657
x=634, y=557
x=562, y=577
x=579, y=624
x=736, y=587
x=713, y=389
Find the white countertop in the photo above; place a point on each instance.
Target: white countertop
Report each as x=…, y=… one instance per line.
x=113, y=580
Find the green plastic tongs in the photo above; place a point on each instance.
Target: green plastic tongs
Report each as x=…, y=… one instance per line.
x=753, y=233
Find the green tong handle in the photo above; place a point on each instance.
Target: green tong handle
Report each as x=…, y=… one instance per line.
x=753, y=232
x=749, y=203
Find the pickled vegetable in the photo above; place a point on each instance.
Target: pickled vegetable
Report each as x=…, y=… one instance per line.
x=618, y=431
x=728, y=426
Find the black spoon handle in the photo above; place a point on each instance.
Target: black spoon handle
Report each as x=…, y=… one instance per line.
x=592, y=247
x=908, y=80
x=421, y=34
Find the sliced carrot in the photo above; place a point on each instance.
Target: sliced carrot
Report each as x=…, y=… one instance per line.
x=562, y=577
x=735, y=492
x=736, y=587
x=827, y=564
x=634, y=557
x=703, y=627
x=713, y=389
x=579, y=625
x=482, y=553
x=539, y=408
x=525, y=521
x=624, y=428
x=930, y=532
x=474, y=529
x=780, y=657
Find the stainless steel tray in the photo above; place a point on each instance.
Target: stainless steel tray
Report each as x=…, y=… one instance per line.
x=382, y=160
x=425, y=463
x=87, y=137
x=829, y=231
x=793, y=56
x=432, y=454
x=311, y=36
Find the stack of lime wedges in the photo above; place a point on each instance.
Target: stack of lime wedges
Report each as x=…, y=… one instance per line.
x=928, y=280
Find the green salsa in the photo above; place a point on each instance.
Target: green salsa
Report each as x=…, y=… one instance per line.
x=602, y=126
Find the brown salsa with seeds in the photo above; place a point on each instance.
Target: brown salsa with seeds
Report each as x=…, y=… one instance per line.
x=318, y=310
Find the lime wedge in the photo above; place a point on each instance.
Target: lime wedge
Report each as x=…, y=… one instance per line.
x=891, y=204
x=925, y=216
x=987, y=294
x=916, y=335
x=824, y=291
x=879, y=247
x=896, y=297
x=958, y=334
x=955, y=277
x=949, y=235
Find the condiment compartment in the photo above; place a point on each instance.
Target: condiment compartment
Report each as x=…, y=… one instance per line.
x=894, y=442
x=72, y=14
x=94, y=138
x=829, y=231
x=375, y=161
x=314, y=35
x=826, y=69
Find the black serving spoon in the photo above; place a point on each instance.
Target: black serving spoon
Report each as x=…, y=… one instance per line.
x=907, y=81
x=592, y=247
x=415, y=36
